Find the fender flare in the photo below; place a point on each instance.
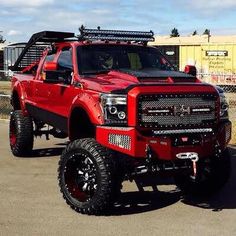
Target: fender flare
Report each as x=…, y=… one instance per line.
x=18, y=88
x=90, y=105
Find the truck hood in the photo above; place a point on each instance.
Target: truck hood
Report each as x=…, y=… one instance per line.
x=121, y=79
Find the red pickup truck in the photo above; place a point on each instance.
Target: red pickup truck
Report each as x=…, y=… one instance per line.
x=127, y=111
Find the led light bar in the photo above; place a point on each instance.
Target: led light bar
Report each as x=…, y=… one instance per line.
x=115, y=35
x=158, y=111
x=118, y=32
x=201, y=109
x=183, y=131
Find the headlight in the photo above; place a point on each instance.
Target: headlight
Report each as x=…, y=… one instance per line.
x=114, y=108
x=223, y=107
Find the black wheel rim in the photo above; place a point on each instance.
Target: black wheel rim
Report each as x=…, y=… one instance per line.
x=80, y=176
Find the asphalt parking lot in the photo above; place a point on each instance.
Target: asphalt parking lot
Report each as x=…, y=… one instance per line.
x=31, y=204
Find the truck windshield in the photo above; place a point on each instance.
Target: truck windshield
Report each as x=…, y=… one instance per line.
x=94, y=59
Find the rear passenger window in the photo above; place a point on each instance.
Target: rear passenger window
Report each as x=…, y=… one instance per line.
x=50, y=57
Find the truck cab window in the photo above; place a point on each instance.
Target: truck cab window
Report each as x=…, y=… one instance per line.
x=65, y=60
x=50, y=57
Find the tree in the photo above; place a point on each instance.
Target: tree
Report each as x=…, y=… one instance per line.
x=174, y=33
x=207, y=32
x=194, y=32
x=1, y=39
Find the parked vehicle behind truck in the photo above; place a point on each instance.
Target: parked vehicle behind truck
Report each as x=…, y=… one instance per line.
x=126, y=110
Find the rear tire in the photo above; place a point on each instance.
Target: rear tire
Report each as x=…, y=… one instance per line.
x=86, y=177
x=21, y=134
x=212, y=174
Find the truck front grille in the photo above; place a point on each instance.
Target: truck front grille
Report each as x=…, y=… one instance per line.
x=177, y=111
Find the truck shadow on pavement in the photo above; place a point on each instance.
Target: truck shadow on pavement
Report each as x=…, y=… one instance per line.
x=46, y=152
x=225, y=198
x=49, y=152
x=143, y=201
x=138, y=202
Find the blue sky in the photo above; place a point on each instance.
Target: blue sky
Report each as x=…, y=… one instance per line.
x=19, y=19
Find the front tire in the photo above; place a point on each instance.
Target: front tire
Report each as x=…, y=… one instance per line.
x=21, y=134
x=86, y=177
x=212, y=174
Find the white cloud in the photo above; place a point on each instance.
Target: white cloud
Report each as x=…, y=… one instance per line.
x=208, y=8
x=14, y=32
x=214, y=4
x=24, y=3
x=30, y=16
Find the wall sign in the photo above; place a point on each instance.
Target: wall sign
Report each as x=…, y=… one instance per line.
x=217, y=53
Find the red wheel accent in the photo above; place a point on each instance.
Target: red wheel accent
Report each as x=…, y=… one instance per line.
x=21, y=137
x=85, y=175
x=80, y=177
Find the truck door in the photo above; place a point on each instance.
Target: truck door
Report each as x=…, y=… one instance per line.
x=62, y=94
x=52, y=101
x=37, y=92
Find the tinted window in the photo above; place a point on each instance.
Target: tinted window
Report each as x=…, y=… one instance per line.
x=50, y=57
x=92, y=58
x=65, y=60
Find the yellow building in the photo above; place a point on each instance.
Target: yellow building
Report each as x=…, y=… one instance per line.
x=214, y=56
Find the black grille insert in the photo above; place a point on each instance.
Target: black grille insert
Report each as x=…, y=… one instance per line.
x=177, y=110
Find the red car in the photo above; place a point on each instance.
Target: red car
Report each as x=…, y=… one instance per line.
x=127, y=111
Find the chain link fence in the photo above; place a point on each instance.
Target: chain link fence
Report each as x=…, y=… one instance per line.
x=5, y=91
x=5, y=106
x=231, y=98
x=225, y=81
x=4, y=76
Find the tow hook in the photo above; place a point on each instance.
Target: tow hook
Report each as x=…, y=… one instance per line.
x=193, y=156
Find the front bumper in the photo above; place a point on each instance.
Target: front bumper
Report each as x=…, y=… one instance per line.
x=130, y=141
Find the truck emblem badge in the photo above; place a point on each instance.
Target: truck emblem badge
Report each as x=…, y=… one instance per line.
x=181, y=110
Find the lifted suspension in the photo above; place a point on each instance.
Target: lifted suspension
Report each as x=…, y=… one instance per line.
x=153, y=166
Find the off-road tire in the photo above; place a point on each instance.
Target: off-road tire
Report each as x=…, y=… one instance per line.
x=104, y=169
x=21, y=134
x=212, y=175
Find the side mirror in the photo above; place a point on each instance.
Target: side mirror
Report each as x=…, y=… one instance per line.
x=55, y=76
x=50, y=66
x=191, y=70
